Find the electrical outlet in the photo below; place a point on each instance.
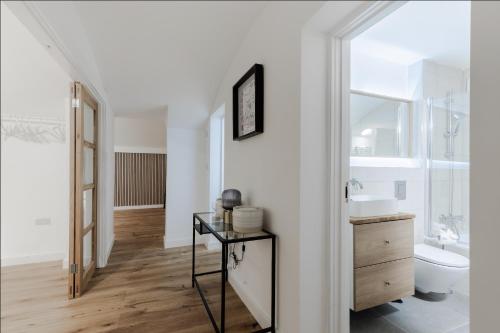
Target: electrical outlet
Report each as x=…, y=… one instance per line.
x=400, y=189
x=43, y=221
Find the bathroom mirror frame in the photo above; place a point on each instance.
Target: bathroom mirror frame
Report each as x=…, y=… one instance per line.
x=409, y=126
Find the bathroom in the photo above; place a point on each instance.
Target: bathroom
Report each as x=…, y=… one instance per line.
x=409, y=157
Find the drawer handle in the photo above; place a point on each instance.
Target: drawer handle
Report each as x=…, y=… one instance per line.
x=387, y=283
x=387, y=242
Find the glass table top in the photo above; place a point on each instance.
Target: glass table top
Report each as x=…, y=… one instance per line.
x=207, y=223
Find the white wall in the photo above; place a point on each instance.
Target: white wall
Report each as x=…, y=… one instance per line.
x=315, y=158
x=49, y=22
x=35, y=174
x=187, y=183
x=485, y=166
x=372, y=74
x=266, y=168
x=140, y=134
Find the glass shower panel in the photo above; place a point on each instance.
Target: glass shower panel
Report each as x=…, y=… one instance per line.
x=448, y=163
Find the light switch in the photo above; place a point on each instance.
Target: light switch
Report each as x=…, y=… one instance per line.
x=400, y=189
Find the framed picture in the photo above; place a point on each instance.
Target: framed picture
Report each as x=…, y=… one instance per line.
x=248, y=104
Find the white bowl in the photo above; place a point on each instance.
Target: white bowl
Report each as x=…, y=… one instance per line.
x=247, y=219
x=372, y=205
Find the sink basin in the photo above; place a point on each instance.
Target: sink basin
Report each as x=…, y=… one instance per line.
x=372, y=205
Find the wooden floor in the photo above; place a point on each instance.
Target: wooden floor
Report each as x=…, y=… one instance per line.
x=140, y=224
x=144, y=288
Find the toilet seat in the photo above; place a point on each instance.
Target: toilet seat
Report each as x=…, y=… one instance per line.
x=441, y=257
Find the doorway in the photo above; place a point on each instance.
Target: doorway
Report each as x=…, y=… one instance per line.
x=139, y=209
x=401, y=108
x=83, y=189
x=216, y=154
x=140, y=179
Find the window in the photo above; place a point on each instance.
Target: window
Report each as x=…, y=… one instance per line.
x=216, y=155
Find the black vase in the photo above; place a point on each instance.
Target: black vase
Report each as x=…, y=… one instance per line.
x=231, y=198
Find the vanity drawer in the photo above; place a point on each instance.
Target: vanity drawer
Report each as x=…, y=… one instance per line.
x=382, y=283
x=375, y=243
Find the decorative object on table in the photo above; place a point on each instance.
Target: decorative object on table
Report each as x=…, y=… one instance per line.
x=248, y=104
x=231, y=198
x=219, y=210
x=228, y=216
x=247, y=219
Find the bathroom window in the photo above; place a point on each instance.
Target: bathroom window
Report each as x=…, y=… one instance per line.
x=380, y=126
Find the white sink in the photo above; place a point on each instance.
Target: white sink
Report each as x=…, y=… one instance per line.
x=372, y=205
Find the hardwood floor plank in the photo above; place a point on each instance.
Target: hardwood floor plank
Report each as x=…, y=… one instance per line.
x=144, y=288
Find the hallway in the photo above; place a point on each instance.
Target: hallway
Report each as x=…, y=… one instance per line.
x=146, y=226
x=339, y=156
x=144, y=288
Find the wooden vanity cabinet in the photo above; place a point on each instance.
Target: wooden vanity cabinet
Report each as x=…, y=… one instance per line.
x=383, y=264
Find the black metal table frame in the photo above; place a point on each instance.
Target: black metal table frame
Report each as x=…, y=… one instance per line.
x=224, y=272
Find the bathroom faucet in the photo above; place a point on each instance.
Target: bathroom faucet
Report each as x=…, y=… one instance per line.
x=355, y=184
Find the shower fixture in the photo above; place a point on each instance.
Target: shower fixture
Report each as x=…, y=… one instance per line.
x=451, y=220
x=453, y=120
x=453, y=125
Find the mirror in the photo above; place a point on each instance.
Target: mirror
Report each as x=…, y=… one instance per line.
x=380, y=126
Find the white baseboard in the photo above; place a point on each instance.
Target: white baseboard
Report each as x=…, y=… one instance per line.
x=171, y=243
x=137, y=207
x=32, y=259
x=103, y=259
x=263, y=318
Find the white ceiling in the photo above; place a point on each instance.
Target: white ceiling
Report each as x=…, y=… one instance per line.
x=437, y=30
x=158, y=55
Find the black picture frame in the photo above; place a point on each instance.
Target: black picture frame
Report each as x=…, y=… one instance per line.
x=257, y=71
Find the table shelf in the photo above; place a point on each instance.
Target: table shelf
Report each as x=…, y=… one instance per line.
x=208, y=223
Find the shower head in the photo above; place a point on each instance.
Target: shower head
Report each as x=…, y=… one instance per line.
x=457, y=117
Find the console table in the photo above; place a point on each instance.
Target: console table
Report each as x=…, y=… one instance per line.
x=207, y=223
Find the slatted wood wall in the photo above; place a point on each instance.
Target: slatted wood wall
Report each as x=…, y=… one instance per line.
x=139, y=179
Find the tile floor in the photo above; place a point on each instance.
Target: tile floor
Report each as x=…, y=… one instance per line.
x=422, y=313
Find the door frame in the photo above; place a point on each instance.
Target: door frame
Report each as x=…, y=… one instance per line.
x=340, y=240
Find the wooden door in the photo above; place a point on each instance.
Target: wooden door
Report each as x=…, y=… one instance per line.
x=83, y=192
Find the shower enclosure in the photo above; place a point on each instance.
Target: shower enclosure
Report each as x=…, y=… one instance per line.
x=448, y=167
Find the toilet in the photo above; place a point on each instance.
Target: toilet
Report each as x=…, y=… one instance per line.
x=437, y=270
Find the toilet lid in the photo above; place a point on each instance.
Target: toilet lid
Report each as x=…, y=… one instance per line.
x=440, y=257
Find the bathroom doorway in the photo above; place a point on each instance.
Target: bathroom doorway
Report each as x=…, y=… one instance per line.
x=404, y=150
